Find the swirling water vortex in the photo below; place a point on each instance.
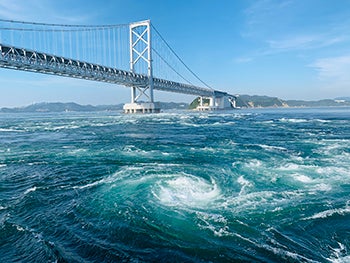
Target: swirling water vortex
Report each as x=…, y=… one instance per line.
x=263, y=186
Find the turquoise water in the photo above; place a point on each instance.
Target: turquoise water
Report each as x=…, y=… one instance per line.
x=239, y=186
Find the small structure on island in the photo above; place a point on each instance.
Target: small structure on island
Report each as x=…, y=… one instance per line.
x=219, y=101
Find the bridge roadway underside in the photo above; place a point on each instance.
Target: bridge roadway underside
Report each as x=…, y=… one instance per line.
x=29, y=60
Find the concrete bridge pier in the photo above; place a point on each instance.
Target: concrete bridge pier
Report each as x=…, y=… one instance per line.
x=143, y=107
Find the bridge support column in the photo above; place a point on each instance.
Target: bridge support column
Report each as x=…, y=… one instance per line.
x=142, y=100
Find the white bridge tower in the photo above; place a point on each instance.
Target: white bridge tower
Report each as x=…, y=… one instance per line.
x=142, y=100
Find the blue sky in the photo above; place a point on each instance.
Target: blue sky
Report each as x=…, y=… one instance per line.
x=292, y=49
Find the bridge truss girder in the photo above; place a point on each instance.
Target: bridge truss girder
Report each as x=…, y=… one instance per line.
x=29, y=60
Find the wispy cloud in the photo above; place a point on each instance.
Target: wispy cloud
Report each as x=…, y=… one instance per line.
x=281, y=26
x=334, y=69
x=262, y=10
x=304, y=42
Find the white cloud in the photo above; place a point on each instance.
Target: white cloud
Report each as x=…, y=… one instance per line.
x=261, y=11
x=334, y=70
x=300, y=42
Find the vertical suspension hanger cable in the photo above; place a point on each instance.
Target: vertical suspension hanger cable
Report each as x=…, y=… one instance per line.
x=77, y=44
x=103, y=50
x=70, y=44
x=90, y=45
x=53, y=37
x=109, y=47
x=62, y=43
x=114, y=48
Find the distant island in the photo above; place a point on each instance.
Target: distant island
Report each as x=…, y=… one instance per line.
x=243, y=101
x=256, y=101
x=247, y=101
x=74, y=107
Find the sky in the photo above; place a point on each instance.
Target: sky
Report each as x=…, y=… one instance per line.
x=291, y=49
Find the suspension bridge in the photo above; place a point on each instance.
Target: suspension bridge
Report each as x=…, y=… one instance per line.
x=126, y=54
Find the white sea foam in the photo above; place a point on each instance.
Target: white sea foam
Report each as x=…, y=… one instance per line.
x=107, y=180
x=249, y=201
x=288, y=254
x=323, y=187
x=271, y=148
x=333, y=170
x=213, y=222
x=3, y=165
x=32, y=189
x=330, y=213
x=77, y=151
x=9, y=130
x=292, y=120
x=19, y=228
x=253, y=164
x=63, y=127
x=244, y=183
x=302, y=178
x=110, y=180
x=131, y=149
x=186, y=190
x=345, y=259
x=340, y=254
x=289, y=167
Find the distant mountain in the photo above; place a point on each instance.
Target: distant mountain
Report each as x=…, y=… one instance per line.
x=71, y=106
x=59, y=107
x=343, y=98
x=243, y=101
x=247, y=101
x=319, y=103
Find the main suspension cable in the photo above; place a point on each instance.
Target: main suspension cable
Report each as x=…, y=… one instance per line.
x=182, y=62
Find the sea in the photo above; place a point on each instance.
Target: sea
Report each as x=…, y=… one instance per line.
x=258, y=185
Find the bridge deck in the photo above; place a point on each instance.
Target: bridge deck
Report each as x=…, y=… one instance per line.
x=33, y=61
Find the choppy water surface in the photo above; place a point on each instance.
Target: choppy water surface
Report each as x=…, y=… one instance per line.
x=263, y=186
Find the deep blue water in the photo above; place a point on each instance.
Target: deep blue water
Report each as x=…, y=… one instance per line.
x=240, y=186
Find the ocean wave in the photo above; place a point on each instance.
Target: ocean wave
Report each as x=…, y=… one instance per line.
x=244, y=183
x=10, y=130
x=32, y=189
x=216, y=223
x=272, y=148
x=293, y=120
x=330, y=213
x=340, y=254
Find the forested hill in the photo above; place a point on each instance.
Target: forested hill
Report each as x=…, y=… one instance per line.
x=71, y=106
x=243, y=101
x=247, y=101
